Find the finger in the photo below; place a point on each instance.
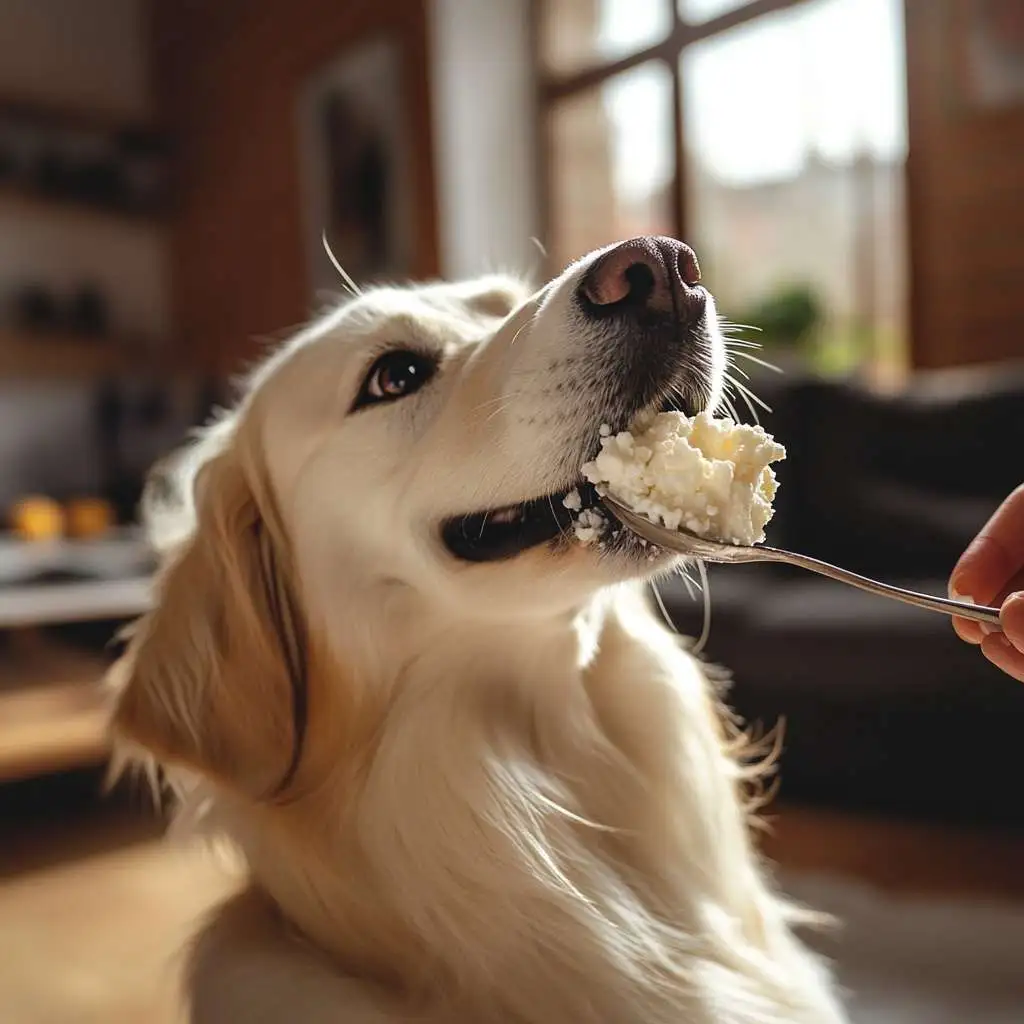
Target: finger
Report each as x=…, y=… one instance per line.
x=995, y=555
x=1011, y=616
x=968, y=629
x=998, y=649
x=974, y=632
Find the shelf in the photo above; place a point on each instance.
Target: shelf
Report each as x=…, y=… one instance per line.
x=58, y=355
x=63, y=115
x=40, y=604
x=17, y=201
x=53, y=712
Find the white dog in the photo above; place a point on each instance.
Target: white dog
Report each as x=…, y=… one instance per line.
x=472, y=776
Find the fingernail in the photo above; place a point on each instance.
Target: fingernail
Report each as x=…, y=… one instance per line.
x=955, y=594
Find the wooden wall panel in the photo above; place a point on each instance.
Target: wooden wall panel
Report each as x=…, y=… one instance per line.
x=227, y=77
x=966, y=201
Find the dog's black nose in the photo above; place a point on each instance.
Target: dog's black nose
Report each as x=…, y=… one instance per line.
x=648, y=274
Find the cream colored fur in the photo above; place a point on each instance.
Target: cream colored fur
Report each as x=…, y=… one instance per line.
x=517, y=798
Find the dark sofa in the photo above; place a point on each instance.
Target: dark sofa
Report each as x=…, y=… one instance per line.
x=885, y=709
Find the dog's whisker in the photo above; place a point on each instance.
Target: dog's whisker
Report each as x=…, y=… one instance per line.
x=737, y=326
x=502, y=400
x=561, y=529
x=744, y=390
x=515, y=337
x=749, y=397
x=728, y=403
x=705, y=590
x=688, y=581
x=344, y=274
x=500, y=409
x=522, y=327
x=760, y=362
x=661, y=605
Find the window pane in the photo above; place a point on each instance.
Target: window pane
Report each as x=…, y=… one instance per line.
x=613, y=162
x=575, y=34
x=795, y=196
x=697, y=11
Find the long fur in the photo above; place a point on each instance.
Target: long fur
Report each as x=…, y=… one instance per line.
x=496, y=817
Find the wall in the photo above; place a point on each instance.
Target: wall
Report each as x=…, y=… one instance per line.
x=88, y=55
x=483, y=100
x=965, y=188
x=228, y=77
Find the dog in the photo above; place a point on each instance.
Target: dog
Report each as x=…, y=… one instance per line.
x=472, y=775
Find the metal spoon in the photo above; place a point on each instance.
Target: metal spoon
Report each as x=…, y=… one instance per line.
x=686, y=543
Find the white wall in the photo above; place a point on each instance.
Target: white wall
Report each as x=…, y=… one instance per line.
x=484, y=136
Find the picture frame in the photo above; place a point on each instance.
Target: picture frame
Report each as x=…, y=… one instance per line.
x=356, y=157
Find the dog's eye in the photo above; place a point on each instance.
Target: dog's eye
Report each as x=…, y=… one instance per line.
x=395, y=375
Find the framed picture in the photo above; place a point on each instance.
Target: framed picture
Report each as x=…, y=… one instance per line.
x=356, y=158
x=991, y=36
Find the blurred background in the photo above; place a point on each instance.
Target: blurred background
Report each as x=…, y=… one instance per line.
x=850, y=173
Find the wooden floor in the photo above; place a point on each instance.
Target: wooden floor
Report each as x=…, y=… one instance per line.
x=94, y=914
x=95, y=908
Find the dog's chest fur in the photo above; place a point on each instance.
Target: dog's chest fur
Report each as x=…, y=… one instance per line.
x=576, y=851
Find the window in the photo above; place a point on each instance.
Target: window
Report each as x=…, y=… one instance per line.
x=575, y=35
x=771, y=136
x=613, y=161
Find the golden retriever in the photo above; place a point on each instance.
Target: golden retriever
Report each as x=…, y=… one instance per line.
x=473, y=777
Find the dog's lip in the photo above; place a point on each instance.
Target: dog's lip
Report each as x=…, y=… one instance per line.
x=503, y=531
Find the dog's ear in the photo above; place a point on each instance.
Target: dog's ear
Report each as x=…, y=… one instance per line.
x=209, y=678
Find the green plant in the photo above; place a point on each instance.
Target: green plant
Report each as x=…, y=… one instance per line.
x=789, y=317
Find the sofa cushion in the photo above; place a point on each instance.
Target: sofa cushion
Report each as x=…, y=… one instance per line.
x=895, y=485
x=884, y=708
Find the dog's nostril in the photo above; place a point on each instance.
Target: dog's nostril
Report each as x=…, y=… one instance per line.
x=633, y=272
x=659, y=275
x=640, y=283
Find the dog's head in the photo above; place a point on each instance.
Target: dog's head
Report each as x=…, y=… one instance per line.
x=410, y=450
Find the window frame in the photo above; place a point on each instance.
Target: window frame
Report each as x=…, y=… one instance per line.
x=551, y=88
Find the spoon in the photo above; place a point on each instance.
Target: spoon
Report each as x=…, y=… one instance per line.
x=686, y=543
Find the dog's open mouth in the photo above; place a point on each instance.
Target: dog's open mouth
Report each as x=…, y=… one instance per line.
x=500, y=533
x=494, y=534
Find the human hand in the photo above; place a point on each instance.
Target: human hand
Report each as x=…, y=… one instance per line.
x=991, y=572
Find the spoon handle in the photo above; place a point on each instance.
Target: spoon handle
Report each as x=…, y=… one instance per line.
x=978, y=613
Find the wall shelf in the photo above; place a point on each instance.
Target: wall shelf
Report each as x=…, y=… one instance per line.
x=24, y=203
x=49, y=356
x=93, y=119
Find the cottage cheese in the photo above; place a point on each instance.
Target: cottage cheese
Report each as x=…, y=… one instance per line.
x=710, y=476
